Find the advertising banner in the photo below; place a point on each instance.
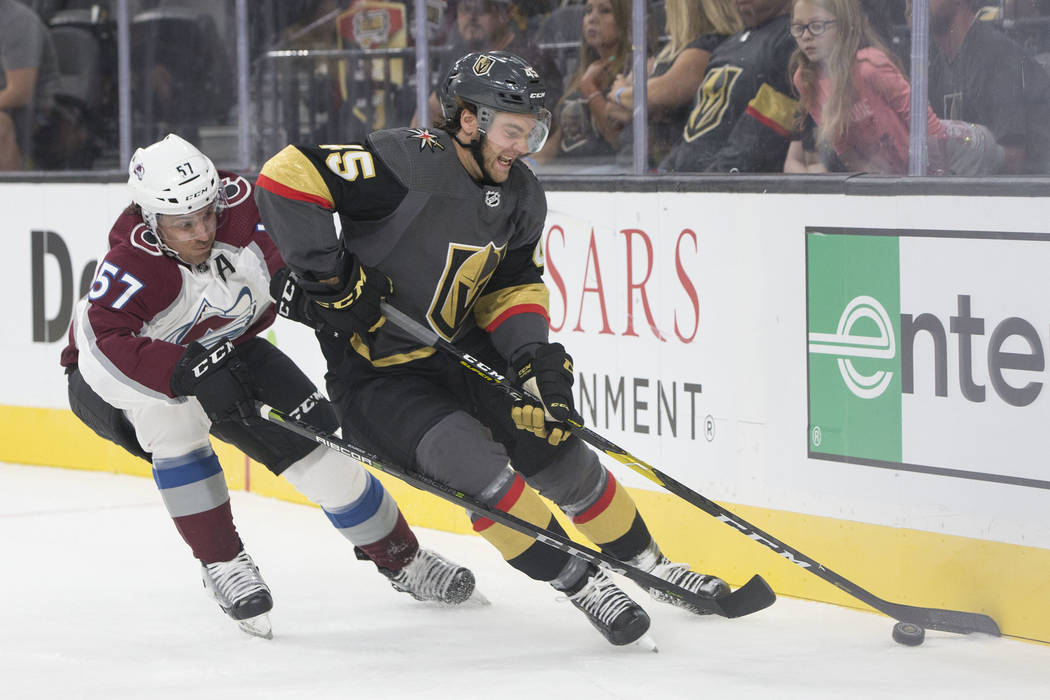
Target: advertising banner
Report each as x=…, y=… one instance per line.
x=927, y=351
x=758, y=348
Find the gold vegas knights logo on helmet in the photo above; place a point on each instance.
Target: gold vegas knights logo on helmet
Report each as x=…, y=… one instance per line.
x=467, y=270
x=713, y=102
x=483, y=65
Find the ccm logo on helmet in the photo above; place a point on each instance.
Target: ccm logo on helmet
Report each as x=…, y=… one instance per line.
x=536, y=95
x=198, y=193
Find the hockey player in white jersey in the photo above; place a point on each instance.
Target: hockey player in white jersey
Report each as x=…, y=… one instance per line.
x=164, y=349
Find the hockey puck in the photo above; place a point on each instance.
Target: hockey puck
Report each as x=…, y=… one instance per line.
x=908, y=634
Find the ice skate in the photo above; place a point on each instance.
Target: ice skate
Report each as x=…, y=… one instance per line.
x=653, y=561
x=431, y=577
x=240, y=591
x=612, y=612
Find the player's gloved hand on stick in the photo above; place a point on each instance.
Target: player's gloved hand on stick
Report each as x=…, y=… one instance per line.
x=354, y=307
x=293, y=302
x=218, y=378
x=547, y=376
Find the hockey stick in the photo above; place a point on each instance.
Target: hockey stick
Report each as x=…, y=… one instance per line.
x=929, y=618
x=751, y=597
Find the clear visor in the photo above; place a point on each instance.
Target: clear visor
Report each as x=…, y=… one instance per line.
x=529, y=131
x=178, y=228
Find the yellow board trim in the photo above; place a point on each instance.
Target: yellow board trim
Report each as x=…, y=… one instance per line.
x=914, y=567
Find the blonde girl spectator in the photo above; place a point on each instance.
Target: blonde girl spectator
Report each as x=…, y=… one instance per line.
x=583, y=126
x=853, y=88
x=694, y=28
x=860, y=100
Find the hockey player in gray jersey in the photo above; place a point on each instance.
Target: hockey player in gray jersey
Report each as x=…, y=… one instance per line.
x=446, y=224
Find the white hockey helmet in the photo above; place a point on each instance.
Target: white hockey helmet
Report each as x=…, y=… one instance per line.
x=172, y=176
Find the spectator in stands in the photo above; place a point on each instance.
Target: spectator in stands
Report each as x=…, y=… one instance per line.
x=742, y=115
x=490, y=25
x=978, y=74
x=28, y=67
x=695, y=28
x=583, y=125
x=855, y=92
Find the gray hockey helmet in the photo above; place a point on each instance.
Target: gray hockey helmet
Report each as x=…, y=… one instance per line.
x=497, y=81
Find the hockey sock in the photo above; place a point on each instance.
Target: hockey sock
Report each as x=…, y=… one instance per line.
x=357, y=504
x=612, y=521
x=194, y=491
x=534, y=559
x=396, y=549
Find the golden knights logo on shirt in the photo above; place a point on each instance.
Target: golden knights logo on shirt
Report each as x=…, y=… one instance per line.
x=713, y=101
x=467, y=270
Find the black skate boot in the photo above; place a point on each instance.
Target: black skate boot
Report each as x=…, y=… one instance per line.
x=240, y=591
x=609, y=609
x=704, y=585
x=430, y=576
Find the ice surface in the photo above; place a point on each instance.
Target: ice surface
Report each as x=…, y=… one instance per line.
x=101, y=599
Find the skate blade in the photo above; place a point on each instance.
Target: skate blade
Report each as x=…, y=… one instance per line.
x=647, y=643
x=258, y=626
x=477, y=599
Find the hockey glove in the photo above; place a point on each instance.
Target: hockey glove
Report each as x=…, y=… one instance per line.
x=355, y=307
x=547, y=377
x=292, y=301
x=218, y=378
x=289, y=299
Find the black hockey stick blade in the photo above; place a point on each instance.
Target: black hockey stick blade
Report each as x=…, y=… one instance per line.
x=958, y=621
x=930, y=618
x=755, y=595
x=751, y=597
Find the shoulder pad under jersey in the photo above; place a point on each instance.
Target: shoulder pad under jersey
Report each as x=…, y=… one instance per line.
x=419, y=158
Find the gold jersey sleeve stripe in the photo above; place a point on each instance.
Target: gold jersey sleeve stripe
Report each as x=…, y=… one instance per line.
x=492, y=309
x=291, y=174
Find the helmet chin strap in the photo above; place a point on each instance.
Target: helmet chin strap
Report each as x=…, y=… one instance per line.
x=475, y=150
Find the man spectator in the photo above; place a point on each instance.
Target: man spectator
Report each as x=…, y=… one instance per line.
x=979, y=75
x=28, y=67
x=491, y=25
x=742, y=117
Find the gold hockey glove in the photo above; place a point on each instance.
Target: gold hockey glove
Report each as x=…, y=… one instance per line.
x=547, y=377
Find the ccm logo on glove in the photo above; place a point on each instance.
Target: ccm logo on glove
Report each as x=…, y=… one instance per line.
x=212, y=359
